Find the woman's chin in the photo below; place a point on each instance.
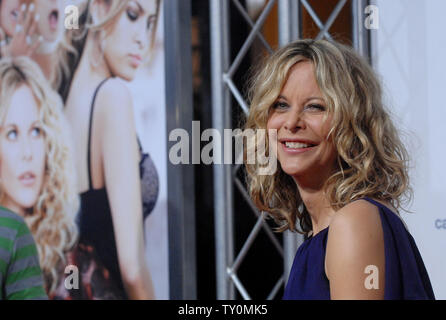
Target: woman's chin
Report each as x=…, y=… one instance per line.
x=47, y=47
x=292, y=170
x=127, y=75
x=27, y=204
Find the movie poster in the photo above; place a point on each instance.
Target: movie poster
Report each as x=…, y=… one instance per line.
x=82, y=146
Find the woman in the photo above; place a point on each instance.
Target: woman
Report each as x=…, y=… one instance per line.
x=36, y=170
x=39, y=33
x=342, y=175
x=99, y=106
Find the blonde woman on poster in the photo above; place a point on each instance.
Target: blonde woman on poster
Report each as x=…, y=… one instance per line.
x=36, y=169
x=110, y=165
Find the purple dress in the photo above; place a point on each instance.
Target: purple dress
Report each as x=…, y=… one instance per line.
x=405, y=275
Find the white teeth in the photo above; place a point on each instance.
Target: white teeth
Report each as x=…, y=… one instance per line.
x=297, y=145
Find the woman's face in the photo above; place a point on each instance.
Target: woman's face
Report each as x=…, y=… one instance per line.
x=298, y=116
x=9, y=11
x=22, y=152
x=51, y=22
x=128, y=39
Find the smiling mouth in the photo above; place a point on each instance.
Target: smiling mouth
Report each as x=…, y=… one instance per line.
x=297, y=145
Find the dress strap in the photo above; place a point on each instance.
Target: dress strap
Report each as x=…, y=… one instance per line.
x=90, y=184
x=391, y=210
x=139, y=144
x=378, y=204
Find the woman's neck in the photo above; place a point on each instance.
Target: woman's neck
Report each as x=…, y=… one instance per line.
x=92, y=64
x=318, y=207
x=316, y=202
x=14, y=207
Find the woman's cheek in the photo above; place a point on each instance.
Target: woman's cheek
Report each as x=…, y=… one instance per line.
x=273, y=122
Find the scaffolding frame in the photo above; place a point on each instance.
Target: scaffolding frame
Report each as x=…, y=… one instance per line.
x=225, y=176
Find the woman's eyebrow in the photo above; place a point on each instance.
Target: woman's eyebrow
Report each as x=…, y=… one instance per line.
x=280, y=97
x=140, y=8
x=314, y=98
x=7, y=126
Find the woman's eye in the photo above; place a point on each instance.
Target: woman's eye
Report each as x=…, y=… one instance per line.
x=12, y=135
x=280, y=105
x=316, y=107
x=36, y=132
x=132, y=15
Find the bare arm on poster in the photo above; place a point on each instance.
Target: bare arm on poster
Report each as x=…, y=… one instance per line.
x=120, y=158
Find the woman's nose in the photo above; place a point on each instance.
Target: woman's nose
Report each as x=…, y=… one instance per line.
x=27, y=153
x=294, y=121
x=140, y=36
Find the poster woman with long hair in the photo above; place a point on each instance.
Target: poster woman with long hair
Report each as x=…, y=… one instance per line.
x=99, y=106
x=36, y=169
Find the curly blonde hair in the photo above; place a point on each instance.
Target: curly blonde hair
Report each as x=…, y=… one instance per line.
x=372, y=160
x=51, y=219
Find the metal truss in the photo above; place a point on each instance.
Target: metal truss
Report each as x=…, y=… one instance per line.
x=223, y=86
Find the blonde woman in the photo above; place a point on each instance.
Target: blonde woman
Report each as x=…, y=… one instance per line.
x=119, y=36
x=342, y=175
x=36, y=169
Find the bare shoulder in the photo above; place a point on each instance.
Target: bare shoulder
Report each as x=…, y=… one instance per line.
x=114, y=100
x=357, y=217
x=355, y=242
x=115, y=87
x=355, y=235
